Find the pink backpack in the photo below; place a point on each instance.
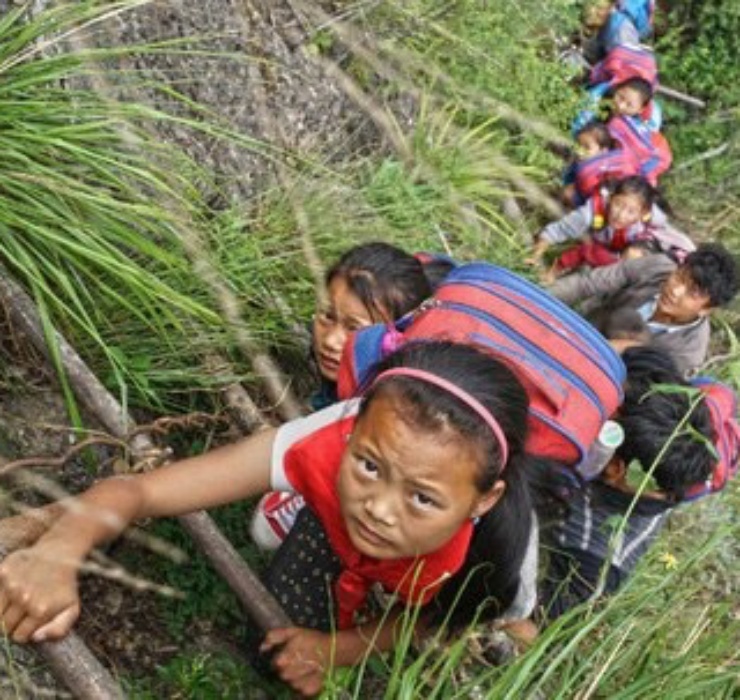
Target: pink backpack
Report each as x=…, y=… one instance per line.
x=593, y=172
x=572, y=375
x=623, y=63
x=722, y=403
x=650, y=148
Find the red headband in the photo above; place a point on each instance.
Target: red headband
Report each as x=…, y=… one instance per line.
x=459, y=393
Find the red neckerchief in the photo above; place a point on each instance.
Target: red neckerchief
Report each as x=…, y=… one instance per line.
x=312, y=465
x=618, y=239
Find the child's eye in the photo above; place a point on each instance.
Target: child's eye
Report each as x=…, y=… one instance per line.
x=422, y=501
x=326, y=316
x=353, y=326
x=367, y=468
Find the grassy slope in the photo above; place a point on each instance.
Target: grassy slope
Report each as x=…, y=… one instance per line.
x=472, y=63
x=670, y=632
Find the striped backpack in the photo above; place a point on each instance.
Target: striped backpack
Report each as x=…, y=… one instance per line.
x=623, y=63
x=650, y=148
x=572, y=375
x=593, y=172
x=722, y=403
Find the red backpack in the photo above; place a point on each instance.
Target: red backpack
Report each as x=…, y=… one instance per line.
x=623, y=63
x=572, y=375
x=650, y=148
x=610, y=165
x=722, y=403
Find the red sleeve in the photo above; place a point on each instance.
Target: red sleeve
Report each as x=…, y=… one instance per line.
x=301, y=444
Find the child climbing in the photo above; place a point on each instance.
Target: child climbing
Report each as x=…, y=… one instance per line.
x=634, y=98
x=417, y=486
x=660, y=426
x=675, y=298
x=634, y=127
x=617, y=23
x=599, y=161
x=608, y=226
x=371, y=283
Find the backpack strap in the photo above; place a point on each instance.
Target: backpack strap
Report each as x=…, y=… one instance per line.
x=599, y=206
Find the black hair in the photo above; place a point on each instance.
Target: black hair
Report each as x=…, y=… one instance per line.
x=625, y=324
x=640, y=85
x=436, y=270
x=715, y=271
x=387, y=280
x=650, y=416
x=638, y=186
x=488, y=581
x=600, y=132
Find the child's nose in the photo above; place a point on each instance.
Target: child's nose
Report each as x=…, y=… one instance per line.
x=381, y=508
x=336, y=337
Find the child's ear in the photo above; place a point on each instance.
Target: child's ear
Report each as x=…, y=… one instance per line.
x=489, y=499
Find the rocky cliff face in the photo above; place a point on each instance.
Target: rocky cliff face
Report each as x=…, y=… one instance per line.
x=252, y=69
x=249, y=63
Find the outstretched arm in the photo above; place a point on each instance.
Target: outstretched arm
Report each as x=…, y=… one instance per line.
x=573, y=226
x=599, y=281
x=38, y=586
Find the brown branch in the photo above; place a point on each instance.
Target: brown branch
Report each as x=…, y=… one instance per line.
x=256, y=599
x=680, y=96
x=90, y=392
x=72, y=452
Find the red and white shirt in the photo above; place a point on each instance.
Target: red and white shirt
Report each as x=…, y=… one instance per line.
x=306, y=457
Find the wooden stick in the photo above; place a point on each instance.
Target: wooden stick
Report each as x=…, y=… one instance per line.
x=707, y=155
x=75, y=665
x=680, y=96
x=255, y=598
x=259, y=603
x=87, y=386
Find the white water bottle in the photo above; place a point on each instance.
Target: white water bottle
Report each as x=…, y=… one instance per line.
x=610, y=437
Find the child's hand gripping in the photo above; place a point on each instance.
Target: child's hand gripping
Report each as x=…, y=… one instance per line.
x=301, y=657
x=39, y=598
x=534, y=259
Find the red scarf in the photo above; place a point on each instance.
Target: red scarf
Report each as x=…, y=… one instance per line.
x=312, y=466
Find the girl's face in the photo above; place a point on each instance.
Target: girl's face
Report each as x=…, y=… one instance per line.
x=341, y=313
x=628, y=101
x=626, y=210
x=404, y=493
x=588, y=146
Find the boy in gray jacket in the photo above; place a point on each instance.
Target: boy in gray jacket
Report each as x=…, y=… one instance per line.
x=674, y=300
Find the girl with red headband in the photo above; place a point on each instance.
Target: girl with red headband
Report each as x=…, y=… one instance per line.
x=416, y=487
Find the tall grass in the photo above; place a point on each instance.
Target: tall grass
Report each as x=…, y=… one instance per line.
x=95, y=209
